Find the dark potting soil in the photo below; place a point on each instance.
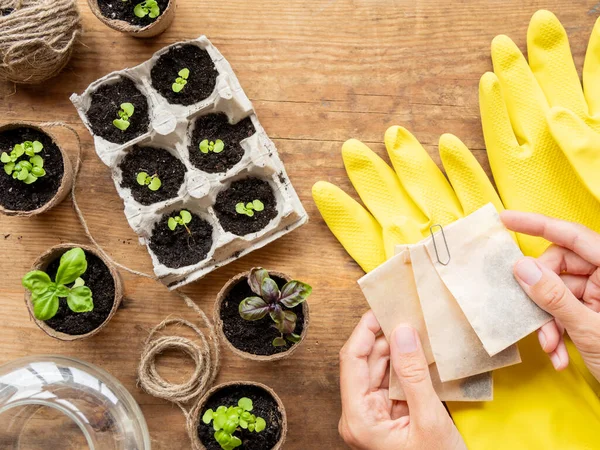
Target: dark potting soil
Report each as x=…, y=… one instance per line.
x=178, y=248
x=170, y=171
x=264, y=405
x=123, y=10
x=246, y=191
x=256, y=336
x=213, y=127
x=200, y=83
x=18, y=196
x=98, y=278
x=105, y=105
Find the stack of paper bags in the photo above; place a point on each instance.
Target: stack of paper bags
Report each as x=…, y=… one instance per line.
x=457, y=289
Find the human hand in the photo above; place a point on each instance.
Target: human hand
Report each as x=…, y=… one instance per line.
x=370, y=420
x=565, y=282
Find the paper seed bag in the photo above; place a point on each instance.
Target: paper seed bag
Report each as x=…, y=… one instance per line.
x=479, y=274
x=391, y=292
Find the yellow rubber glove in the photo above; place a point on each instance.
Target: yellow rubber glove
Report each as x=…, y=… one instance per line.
x=534, y=406
x=402, y=205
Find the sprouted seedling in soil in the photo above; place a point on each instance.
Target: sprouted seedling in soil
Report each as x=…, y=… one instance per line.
x=270, y=300
x=124, y=113
x=207, y=146
x=152, y=181
x=182, y=219
x=227, y=420
x=249, y=208
x=148, y=8
x=45, y=292
x=27, y=171
x=181, y=80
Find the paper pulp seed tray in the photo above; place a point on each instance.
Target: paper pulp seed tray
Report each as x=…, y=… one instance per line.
x=171, y=127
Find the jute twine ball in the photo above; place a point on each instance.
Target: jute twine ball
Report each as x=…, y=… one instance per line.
x=36, y=38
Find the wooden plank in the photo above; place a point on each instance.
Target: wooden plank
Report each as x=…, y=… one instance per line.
x=318, y=73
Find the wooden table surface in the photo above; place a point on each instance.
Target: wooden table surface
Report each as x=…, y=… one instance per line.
x=318, y=72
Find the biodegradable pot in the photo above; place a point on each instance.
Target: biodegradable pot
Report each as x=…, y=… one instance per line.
x=242, y=277
x=42, y=262
x=196, y=413
x=155, y=28
x=65, y=184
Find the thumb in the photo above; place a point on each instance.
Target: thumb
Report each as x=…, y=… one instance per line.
x=409, y=363
x=550, y=293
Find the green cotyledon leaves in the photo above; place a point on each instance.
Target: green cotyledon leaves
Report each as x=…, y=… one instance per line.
x=45, y=293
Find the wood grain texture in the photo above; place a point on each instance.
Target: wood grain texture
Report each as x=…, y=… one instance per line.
x=318, y=73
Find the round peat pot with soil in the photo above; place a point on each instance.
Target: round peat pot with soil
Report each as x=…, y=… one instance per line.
x=184, y=75
x=118, y=111
x=152, y=174
x=37, y=173
x=139, y=18
x=215, y=144
x=254, y=339
x=246, y=206
x=99, y=276
x=181, y=238
x=265, y=407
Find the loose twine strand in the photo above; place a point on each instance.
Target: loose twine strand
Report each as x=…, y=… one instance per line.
x=206, y=355
x=37, y=38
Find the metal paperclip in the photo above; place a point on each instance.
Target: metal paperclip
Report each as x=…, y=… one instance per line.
x=435, y=247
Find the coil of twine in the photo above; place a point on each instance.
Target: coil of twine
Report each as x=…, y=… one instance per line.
x=36, y=38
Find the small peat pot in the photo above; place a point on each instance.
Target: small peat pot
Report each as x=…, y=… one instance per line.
x=72, y=291
x=37, y=174
x=152, y=174
x=118, y=111
x=262, y=315
x=138, y=18
x=181, y=239
x=215, y=144
x=184, y=75
x=239, y=414
x=246, y=206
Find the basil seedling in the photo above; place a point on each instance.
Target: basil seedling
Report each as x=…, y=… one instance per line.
x=182, y=219
x=148, y=8
x=45, y=292
x=207, y=146
x=270, y=300
x=181, y=80
x=124, y=113
x=153, y=182
x=27, y=171
x=249, y=208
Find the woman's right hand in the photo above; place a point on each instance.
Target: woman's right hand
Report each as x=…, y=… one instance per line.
x=565, y=282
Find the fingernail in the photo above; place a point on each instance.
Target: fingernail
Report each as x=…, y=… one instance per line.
x=555, y=359
x=405, y=339
x=542, y=338
x=528, y=271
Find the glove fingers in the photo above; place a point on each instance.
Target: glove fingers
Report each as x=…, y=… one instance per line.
x=552, y=64
x=471, y=184
x=580, y=144
x=356, y=229
x=379, y=188
x=591, y=72
x=525, y=101
x=422, y=179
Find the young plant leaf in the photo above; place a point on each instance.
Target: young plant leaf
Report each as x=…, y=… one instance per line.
x=80, y=299
x=293, y=338
x=219, y=146
x=155, y=184
x=294, y=293
x=141, y=178
x=184, y=73
x=9, y=167
x=260, y=425
x=38, y=172
x=253, y=308
x=255, y=279
x=37, y=146
x=36, y=281
x=62, y=291
x=240, y=208
x=5, y=158
x=72, y=265
x=208, y=416
x=185, y=216
x=204, y=146
x=177, y=87
x=31, y=178
x=277, y=314
x=128, y=108
x=79, y=282
x=172, y=223
x=45, y=305
x=18, y=151
x=278, y=342
x=258, y=205
x=269, y=290
x=121, y=124
x=37, y=161
x=245, y=403
x=154, y=9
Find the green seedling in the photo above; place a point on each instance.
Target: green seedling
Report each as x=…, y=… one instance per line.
x=227, y=420
x=270, y=300
x=212, y=146
x=153, y=182
x=124, y=113
x=45, y=292
x=148, y=8
x=249, y=208
x=27, y=171
x=182, y=219
x=181, y=80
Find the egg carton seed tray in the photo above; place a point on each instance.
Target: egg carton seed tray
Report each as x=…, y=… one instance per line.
x=171, y=128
